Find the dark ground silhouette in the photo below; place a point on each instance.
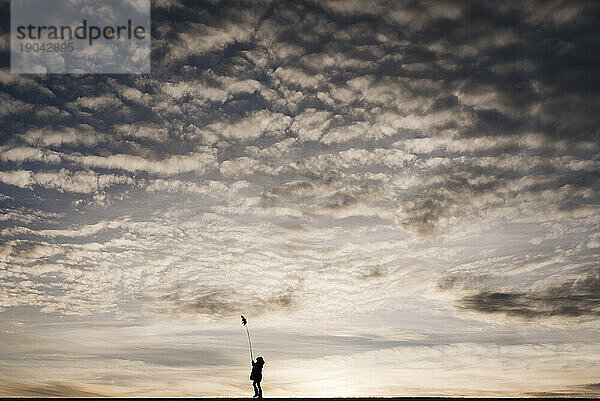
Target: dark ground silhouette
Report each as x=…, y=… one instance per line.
x=561, y=397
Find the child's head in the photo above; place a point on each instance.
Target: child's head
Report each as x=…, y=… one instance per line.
x=260, y=359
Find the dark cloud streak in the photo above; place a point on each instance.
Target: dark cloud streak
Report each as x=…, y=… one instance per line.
x=579, y=298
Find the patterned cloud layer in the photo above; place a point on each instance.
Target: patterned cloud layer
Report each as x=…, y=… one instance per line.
x=378, y=177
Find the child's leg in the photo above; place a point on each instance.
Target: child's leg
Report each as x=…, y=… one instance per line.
x=259, y=390
x=255, y=389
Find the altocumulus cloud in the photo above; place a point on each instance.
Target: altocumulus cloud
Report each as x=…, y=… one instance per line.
x=308, y=161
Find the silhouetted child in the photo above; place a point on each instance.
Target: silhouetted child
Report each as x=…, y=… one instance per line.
x=256, y=376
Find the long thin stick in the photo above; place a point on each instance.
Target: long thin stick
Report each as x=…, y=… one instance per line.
x=245, y=323
x=249, y=342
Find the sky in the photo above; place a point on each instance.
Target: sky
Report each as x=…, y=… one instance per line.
x=401, y=197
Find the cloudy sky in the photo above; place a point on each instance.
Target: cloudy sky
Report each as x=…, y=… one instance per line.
x=402, y=197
